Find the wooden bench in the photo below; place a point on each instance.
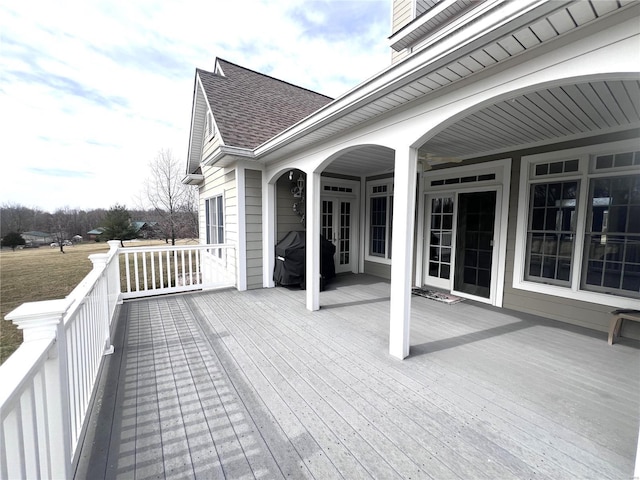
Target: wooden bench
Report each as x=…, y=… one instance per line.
x=616, y=322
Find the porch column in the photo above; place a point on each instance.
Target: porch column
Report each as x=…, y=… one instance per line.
x=268, y=232
x=312, y=274
x=404, y=202
x=241, y=252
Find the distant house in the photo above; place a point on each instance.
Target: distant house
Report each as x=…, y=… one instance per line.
x=147, y=229
x=94, y=234
x=35, y=238
x=496, y=158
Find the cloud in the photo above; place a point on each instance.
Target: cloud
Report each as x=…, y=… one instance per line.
x=98, y=88
x=60, y=172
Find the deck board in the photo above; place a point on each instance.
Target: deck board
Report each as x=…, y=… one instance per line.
x=231, y=384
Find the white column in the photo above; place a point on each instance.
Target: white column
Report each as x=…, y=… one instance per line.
x=312, y=273
x=268, y=232
x=404, y=201
x=241, y=250
x=41, y=321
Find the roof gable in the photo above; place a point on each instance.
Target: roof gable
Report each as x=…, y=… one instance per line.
x=250, y=108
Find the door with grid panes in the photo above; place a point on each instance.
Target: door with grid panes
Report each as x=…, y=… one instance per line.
x=337, y=227
x=439, y=240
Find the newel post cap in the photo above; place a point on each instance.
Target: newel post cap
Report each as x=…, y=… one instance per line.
x=39, y=320
x=99, y=259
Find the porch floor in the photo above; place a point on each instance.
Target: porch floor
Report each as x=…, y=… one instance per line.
x=230, y=384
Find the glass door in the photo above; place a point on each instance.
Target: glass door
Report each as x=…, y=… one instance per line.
x=439, y=240
x=337, y=227
x=474, y=243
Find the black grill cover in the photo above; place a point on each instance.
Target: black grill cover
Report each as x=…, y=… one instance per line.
x=290, y=260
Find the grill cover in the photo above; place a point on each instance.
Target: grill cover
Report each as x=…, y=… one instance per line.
x=290, y=260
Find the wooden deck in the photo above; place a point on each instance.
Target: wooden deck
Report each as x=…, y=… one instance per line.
x=234, y=385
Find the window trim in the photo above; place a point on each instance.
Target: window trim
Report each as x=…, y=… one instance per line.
x=584, y=174
x=207, y=225
x=388, y=182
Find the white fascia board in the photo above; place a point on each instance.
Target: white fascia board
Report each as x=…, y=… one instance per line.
x=223, y=151
x=417, y=65
x=192, y=179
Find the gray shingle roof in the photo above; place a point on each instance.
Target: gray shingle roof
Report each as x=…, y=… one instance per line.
x=250, y=108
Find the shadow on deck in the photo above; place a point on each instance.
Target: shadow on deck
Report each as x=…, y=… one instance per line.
x=250, y=384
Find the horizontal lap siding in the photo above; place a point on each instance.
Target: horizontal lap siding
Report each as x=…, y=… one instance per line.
x=402, y=15
x=585, y=314
x=221, y=181
x=253, y=216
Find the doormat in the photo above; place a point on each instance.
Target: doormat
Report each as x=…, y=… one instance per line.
x=437, y=296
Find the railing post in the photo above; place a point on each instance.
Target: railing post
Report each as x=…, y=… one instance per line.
x=44, y=320
x=99, y=261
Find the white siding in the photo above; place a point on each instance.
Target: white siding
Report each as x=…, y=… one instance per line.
x=402, y=14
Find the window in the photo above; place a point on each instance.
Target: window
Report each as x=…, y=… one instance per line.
x=581, y=227
x=612, y=237
x=551, y=233
x=214, y=212
x=209, y=127
x=380, y=220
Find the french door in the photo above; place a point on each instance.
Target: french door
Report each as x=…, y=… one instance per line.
x=337, y=227
x=474, y=243
x=459, y=242
x=439, y=240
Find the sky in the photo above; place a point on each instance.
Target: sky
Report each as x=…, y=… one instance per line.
x=91, y=90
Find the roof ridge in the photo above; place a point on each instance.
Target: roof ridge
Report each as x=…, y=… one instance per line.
x=218, y=59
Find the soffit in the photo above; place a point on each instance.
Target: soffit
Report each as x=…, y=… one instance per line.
x=540, y=117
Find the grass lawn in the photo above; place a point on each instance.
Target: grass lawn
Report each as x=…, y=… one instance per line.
x=43, y=273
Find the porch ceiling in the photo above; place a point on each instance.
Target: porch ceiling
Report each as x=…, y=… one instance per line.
x=548, y=115
x=540, y=117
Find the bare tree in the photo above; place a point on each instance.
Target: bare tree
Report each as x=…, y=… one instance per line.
x=168, y=197
x=60, y=226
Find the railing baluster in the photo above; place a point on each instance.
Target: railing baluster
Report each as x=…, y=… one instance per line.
x=168, y=270
x=175, y=268
x=126, y=266
x=161, y=270
x=144, y=270
x=153, y=271
x=135, y=270
x=184, y=278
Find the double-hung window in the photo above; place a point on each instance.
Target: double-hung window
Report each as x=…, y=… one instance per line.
x=214, y=212
x=380, y=219
x=579, y=223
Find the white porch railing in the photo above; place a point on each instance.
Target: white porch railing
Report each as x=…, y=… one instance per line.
x=171, y=269
x=47, y=385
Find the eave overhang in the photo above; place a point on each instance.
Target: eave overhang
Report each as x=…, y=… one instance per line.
x=445, y=23
x=225, y=155
x=192, y=179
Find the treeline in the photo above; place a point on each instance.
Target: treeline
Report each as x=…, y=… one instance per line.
x=73, y=221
